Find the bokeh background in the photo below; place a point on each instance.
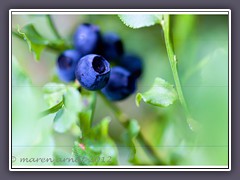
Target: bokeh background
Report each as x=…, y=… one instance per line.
x=201, y=46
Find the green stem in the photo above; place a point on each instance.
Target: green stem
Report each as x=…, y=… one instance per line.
x=93, y=106
x=173, y=62
x=124, y=120
x=54, y=29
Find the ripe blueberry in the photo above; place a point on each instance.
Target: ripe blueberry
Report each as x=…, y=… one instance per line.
x=93, y=72
x=132, y=63
x=120, y=85
x=87, y=39
x=66, y=64
x=112, y=46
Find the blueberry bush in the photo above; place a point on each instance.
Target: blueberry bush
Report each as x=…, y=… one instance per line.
x=148, y=89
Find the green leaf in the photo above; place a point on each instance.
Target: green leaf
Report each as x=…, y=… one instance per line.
x=64, y=120
x=53, y=93
x=85, y=120
x=96, y=147
x=68, y=115
x=139, y=20
x=72, y=100
x=133, y=129
x=52, y=110
x=35, y=41
x=86, y=115
x=161, y=94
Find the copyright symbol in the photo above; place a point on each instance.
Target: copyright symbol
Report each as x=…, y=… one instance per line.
x=14, y=159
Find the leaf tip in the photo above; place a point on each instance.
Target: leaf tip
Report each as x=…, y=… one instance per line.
x=138, y=99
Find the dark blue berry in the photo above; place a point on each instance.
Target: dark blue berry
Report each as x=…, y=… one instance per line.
x=121, y=84
x=93, y=72
x=132, y=63
x=66, y=64
x=87, y=39
x=112, y=46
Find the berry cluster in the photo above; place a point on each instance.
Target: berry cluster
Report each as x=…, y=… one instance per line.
x=89, y=63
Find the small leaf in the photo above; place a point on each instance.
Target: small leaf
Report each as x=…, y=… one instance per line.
x=85, y=120
x=133, y=129
x=35, y=41
x=85, y=116
x=139, y=20
x=161, y=94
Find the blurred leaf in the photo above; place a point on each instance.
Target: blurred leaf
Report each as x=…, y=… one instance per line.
x=215, y=71
x=161, y=94
x=31, y=137
x=19, y=77
x=72, y=100
x=68, y=115
x=63, y=120
x=35, y=41
x=139, y=20
x=182, y=28
x=96, y=147
x=133, y=129
x=53, y=93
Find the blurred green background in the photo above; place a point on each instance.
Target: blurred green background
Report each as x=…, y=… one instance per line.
x=201, y=46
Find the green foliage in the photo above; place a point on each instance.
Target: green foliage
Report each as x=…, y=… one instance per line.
x=31, y=137
x=60, y=97
x=96, y=147
x=161, y=94
x=53, y=93
x=68, y=115
x=139, y=20
x=133, y=130
x=35, y=41
x=198, y=59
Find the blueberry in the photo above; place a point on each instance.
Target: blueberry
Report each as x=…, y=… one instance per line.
x=132, y=63
x=87, y=39
x=66, y=64
x=120, y=85
x=112, y=46
x=93, y=72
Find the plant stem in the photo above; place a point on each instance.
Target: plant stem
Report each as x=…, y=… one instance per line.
x=93, y=106
x=54, y=29
x=124, y=120
x=173, y=62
